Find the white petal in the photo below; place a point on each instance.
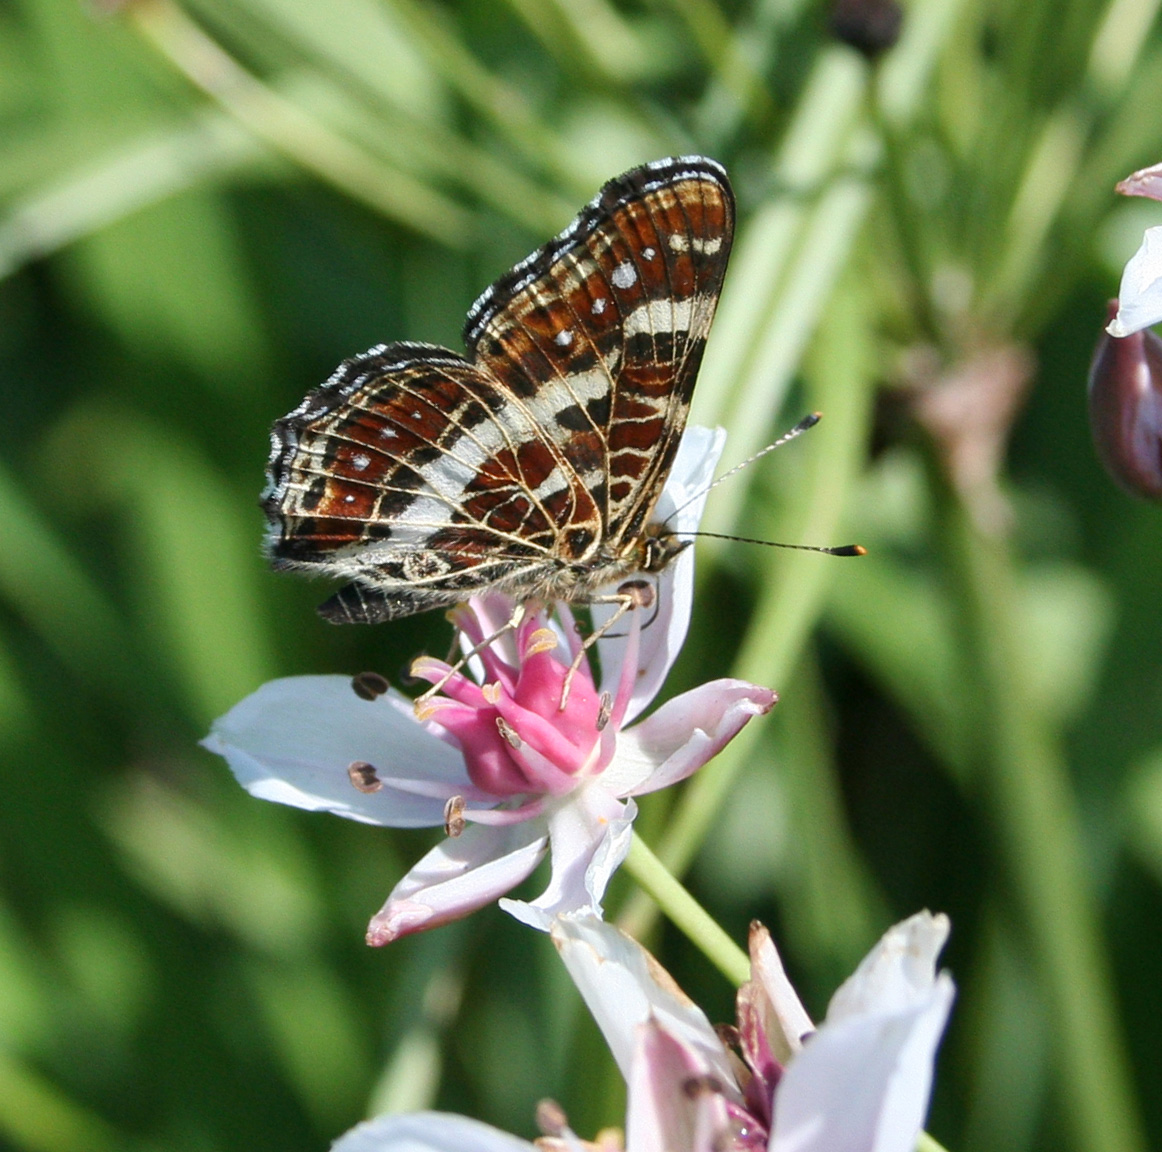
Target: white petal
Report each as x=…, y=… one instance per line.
x=428, y=1132
x=897, y=973
x=458, y=876
x=663, y=1114
x=293, y=740
x=590, y=835
x=767, y=969
x=862, y=1082
x=1140, y=295
x=692, y=473
x=682, y=735
x=624, y=986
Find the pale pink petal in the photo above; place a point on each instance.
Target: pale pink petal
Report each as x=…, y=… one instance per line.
x=791, y=1022
x=667, y=1110
x=862, y=1082
x=1140, y=294
x=458, y=876
x=624, y=986
x=683, y=734
x=428, y=1132
x=897, y=973
x=590, y=835
x=662, y=640
x=1144, y=182
x=293, y=740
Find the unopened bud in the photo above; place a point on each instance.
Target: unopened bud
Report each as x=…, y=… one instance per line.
x=869, y=26
x=1125, y=409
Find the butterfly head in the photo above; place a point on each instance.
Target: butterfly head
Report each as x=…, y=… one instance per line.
x=657, y=550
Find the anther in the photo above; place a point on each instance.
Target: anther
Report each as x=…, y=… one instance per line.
x=604, y=711
x=454, y=822
x=364, y=776
x=369, y=685
x=491, y=692
x=695, y=1086
x=639, y=593
x=508, y=733
x=542, y=640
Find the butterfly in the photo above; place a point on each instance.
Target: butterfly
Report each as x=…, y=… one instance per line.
x=532, y=465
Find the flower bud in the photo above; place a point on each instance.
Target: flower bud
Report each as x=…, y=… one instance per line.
x=868, y=26
x=1125, y=409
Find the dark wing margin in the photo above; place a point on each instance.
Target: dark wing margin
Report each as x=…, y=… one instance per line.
x=601, y=332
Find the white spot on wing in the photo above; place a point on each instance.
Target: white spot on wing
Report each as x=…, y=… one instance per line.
x=648, y=253
x=660, y=316
x=564, y=338
x=361, y=460
x=599, y=305
x=680, y=242
x=624, y=275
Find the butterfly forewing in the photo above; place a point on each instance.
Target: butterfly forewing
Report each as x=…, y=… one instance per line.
x=601, y=333
x=534, y=465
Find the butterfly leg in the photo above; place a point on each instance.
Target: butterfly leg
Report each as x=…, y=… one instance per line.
x=629, y=596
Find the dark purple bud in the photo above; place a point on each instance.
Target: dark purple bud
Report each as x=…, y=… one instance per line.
x=1125, y=409
x=869, y=26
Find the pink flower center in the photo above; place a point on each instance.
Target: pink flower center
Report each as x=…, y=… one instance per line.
x=515, y=736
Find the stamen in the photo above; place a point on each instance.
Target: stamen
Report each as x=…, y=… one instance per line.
x=364, y=776
x=454, y=822
x=492, y=692
x=542, y=640
x=508, y=732
x=604, y=711
x=369, y=685
x=425, y=707
x=425, y=666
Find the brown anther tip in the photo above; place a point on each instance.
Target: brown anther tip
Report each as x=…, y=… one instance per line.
x=369, y=685
x=551, y=1118
x=605, y=711
x=364, y=776
x=508, y=733
x=454, y=822
x=696, y=1086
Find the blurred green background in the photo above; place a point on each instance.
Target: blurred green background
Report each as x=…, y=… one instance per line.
x=206, y=206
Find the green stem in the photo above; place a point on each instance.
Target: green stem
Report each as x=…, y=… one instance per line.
x=794, y=587
x=1033, y=808
x=686, y=913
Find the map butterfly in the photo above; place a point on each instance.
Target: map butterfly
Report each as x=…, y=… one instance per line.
x=533, y=465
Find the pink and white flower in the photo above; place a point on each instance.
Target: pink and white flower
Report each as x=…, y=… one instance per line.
x=858, y=1083
x=1140, y=294
x=494, y=758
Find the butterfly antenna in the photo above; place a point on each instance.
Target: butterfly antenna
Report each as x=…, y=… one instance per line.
x=808, y=421
x=839, y=550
